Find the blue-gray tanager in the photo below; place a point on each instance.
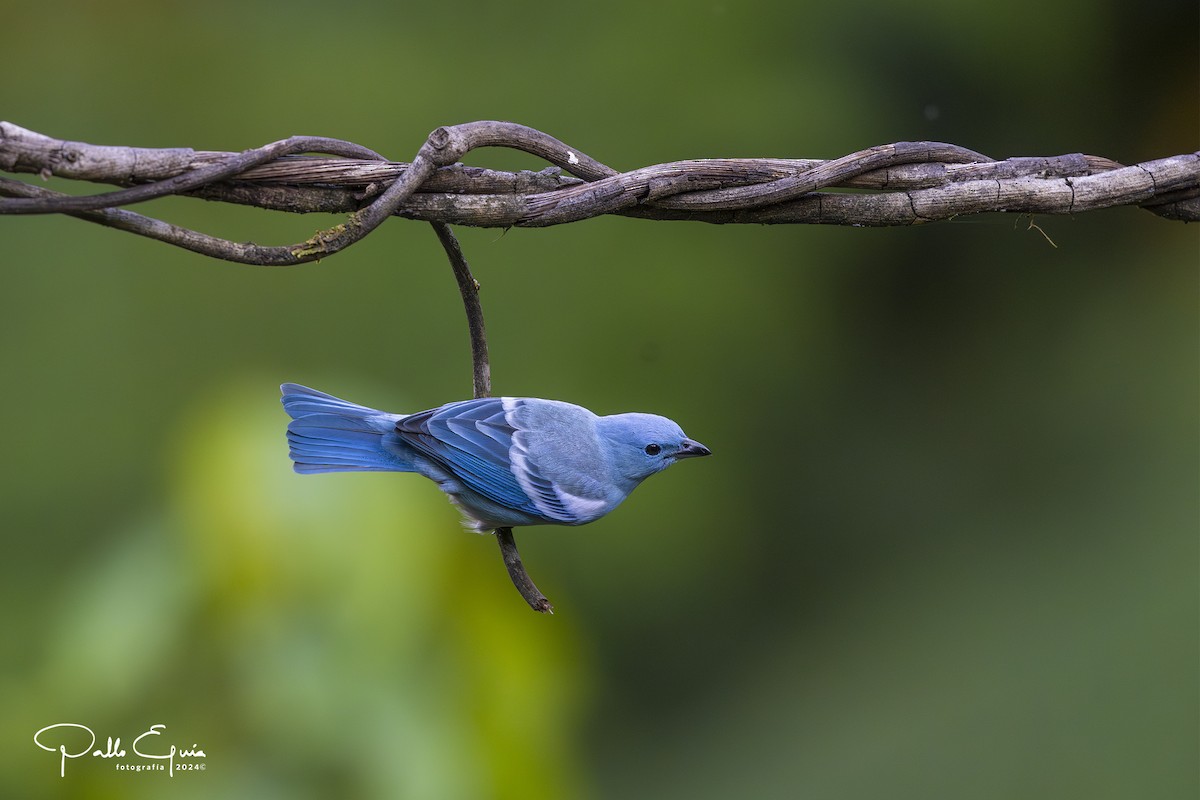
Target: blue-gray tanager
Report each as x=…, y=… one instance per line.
x=505, y=461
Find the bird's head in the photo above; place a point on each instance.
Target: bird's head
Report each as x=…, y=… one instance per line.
x=639, y=445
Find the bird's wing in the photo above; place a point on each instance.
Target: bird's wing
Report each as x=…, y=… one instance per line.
x=473, y=439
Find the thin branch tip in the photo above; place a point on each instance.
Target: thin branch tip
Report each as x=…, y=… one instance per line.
x=516, y=571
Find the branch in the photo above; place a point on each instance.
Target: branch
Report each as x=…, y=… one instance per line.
x=905, y=183
x=482, y=380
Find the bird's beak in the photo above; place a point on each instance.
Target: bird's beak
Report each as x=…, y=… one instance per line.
x=690, y=449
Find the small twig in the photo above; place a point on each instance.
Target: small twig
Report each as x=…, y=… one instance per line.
x=1033, y=226
x=482, y=381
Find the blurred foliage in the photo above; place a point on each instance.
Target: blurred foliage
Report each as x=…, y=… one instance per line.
x=947, y=545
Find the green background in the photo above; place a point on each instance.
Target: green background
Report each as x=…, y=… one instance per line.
x=946, y=546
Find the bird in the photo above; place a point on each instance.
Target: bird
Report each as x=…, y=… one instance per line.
x=504, y=461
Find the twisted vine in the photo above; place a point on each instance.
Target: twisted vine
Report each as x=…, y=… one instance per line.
x=904, y=183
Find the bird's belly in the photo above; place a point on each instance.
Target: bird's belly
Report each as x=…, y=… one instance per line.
x=482, y=515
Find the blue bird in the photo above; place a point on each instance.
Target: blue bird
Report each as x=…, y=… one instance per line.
x=504, y=461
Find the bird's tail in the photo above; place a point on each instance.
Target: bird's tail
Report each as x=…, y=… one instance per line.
x=331, y=435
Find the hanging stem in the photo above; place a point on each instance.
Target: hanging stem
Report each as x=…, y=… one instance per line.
x=468, y=287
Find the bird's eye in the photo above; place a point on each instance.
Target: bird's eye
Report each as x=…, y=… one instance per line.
x=653, y=449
